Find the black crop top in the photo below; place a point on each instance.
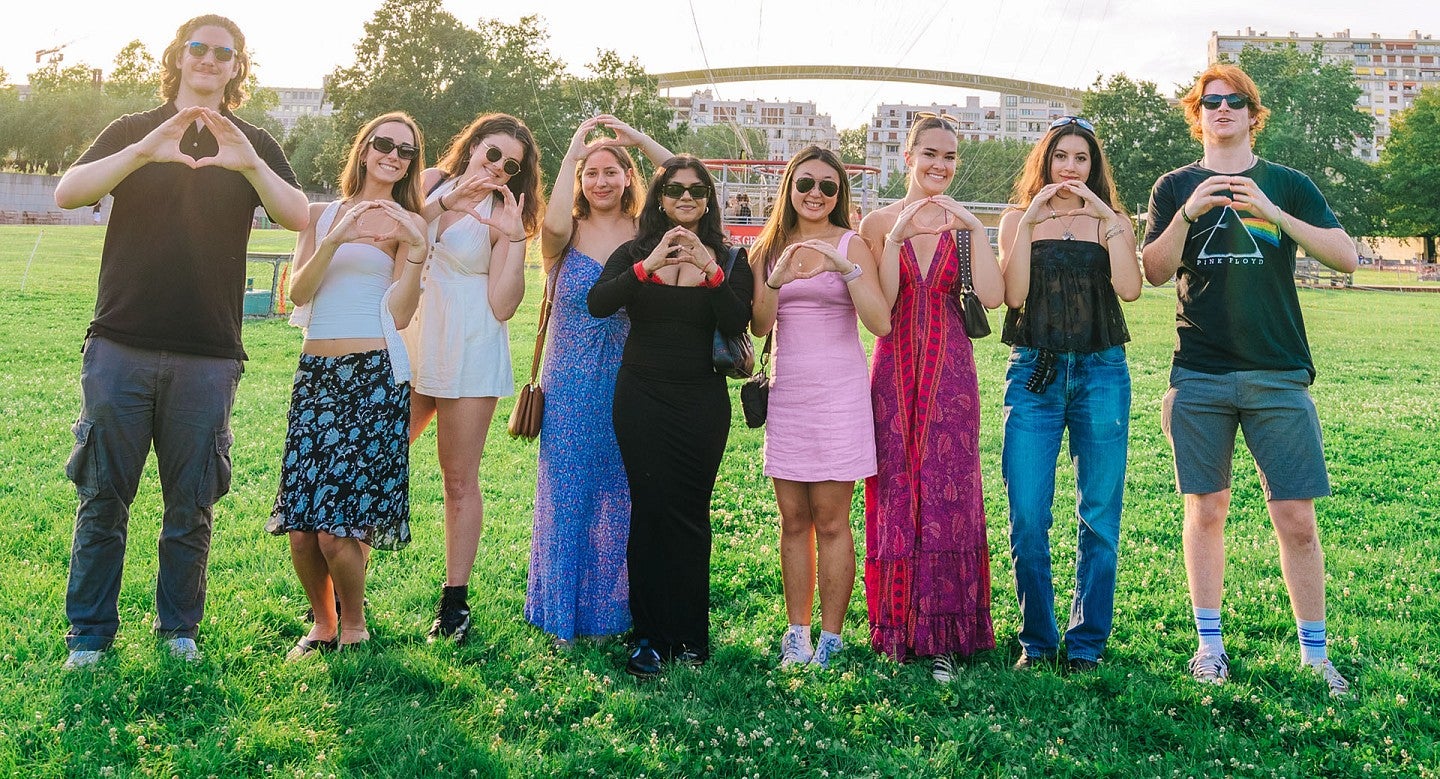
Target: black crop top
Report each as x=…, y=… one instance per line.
x=1071, y=305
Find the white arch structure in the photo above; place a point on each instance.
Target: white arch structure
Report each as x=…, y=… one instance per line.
x=944, y=78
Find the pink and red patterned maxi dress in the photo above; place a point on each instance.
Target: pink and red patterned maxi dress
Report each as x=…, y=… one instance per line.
x=927, y=561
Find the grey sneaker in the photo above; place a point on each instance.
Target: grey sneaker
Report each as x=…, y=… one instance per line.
x=82, y=658
x=828, y=647
x=1209, y=667
x=943, y=669
x=1339, y=688
x=184, y=649
x=794, y=650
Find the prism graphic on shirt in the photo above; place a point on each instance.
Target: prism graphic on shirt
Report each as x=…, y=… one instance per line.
x=1233, y=239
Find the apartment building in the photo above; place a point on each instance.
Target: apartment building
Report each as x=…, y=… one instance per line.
x=1390, y=71
x=788, y=125
x=296, y=102
x=1013, y=117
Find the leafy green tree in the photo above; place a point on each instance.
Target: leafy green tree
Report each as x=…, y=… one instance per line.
x=852, y=146
x=1410, y=163
x=52, y=78
x=623, y=89
x=1143, y=135
x=985, y=172
x=304, y=145
x=725, y=142
x=1313, y=128
x=136, y=73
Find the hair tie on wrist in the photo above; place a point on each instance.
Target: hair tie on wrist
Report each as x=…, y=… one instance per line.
x=1185, y=216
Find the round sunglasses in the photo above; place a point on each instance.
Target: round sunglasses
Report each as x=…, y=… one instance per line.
x=493, y=154
x=402, y=150
x=1235, y=100
x=198, y=50
x=675, y=190
x=828, y=188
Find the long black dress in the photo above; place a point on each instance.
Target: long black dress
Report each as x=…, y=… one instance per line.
x=672, y=417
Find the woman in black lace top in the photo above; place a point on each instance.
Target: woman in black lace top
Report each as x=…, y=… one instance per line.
x=672, y=410
x=1068, y=255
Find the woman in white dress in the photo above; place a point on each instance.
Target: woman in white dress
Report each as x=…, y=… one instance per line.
x=483, y=202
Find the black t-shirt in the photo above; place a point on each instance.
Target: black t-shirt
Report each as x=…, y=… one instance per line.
x=172, y=272
x=1236, y=306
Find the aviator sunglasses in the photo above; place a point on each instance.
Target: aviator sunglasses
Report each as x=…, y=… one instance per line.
x=675, y=190
x=1235, y=100
x=493, y=154
x=402, y=150
x=198, y=50
x=1080, y=120
x=828, y=188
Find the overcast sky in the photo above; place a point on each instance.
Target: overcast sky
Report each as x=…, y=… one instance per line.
x=1064, y=42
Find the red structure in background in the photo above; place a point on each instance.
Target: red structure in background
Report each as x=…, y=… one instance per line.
x=758, y=181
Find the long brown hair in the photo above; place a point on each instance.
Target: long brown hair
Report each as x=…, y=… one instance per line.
x=406, y=191
x=456, y=160
x=1036, y=172
x=629, y=199
x=235, y=93
x=775, y=235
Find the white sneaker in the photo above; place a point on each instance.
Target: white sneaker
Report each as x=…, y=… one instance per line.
x=828, y=647
x=1210, y=667
x=81, y=658
x=794, y=650
x=184, y=649
x=1339, y=688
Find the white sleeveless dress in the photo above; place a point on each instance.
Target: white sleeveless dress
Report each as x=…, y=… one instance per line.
x=458, y=349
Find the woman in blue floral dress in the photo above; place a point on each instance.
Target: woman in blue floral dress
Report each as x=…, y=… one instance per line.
x=577, y=582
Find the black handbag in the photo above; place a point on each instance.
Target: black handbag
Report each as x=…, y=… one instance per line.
x=733, y=355
x=755, y=393
x=972, y=311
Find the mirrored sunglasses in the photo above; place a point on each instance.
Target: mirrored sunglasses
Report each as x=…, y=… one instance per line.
x=1235, y=100
x=828, y=188
x=198, y=50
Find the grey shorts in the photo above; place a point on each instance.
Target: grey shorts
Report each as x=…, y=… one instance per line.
x=1273, y=409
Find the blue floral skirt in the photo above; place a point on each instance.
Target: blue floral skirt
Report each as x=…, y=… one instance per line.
x=346, y=469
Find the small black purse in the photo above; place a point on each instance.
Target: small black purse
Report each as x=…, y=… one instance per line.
x=755, y=393
x=733, y=355
x=972, y=311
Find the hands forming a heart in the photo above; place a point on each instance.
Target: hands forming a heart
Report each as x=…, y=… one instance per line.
x=234, y=151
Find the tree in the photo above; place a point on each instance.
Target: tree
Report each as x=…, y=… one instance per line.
x=304, y=145
x=852, y=146
x=623, y=89
x=1143, y=135
x=1313, y=128
x=1410, y=164
x=136, y=73
x=725, y=142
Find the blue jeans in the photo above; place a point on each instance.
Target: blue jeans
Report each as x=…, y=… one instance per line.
x=131, y=398
x=1090, y=396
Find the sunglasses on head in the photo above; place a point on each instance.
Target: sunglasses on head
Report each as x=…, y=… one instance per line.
x=1235, y=100
x=828, y=188
x=946, y=118
x=675, y=190
x=1080, y=120
x=198, y=50
x=402, y=150
x=493, y=154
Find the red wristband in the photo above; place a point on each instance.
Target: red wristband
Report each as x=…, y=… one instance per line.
x=717, y=279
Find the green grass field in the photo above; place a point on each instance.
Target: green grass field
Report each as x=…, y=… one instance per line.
x=507, y=705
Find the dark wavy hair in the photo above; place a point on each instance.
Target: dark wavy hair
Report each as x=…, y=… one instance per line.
x=1036, y=171
x=654, y=223
x=775, y=235
x=629, y=199
x=527, y=182
x=235, y=93
x=406, y=191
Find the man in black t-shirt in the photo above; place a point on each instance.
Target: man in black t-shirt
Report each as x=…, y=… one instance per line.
x=1241, y=356
x=162, y=357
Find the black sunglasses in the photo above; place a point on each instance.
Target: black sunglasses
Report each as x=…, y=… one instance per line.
x=493, y=154
x=198, y=50
x=402, y=150
x=1235, y=100
x=828, y=188
x=1080, y=120
x=675, y=190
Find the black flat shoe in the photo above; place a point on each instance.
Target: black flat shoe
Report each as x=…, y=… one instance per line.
x=644, y=662
x=309, y=646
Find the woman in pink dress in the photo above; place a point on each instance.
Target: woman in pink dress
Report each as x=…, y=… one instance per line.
x=927, y=562
x=811, y=279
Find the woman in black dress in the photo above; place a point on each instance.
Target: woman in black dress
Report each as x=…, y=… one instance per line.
x=672, y=410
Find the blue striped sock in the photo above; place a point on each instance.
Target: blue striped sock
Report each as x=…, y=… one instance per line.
x=1207, y=624
x=1312, y=641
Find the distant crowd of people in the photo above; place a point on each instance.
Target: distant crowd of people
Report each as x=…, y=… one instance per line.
x=406, y=283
